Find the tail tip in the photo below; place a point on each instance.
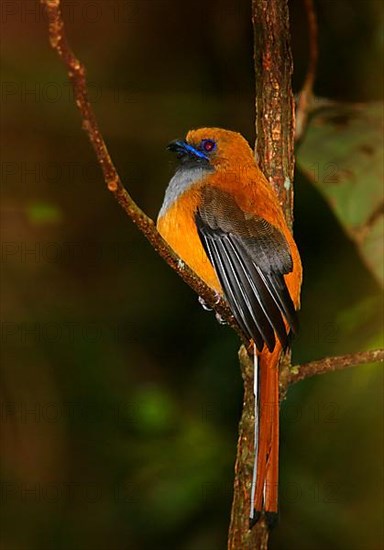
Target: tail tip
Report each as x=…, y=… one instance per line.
x=271, y=519
x=254, y=519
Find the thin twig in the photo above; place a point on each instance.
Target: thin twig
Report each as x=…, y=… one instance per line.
x=330, y=364
x=76, y=75
x=306, y=94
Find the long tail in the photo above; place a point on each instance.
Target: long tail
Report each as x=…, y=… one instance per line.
x=264, y=497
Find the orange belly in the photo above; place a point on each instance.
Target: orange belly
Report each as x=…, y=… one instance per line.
x=178, y=228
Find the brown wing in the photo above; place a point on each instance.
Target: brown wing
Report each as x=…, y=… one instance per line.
x=250, y=257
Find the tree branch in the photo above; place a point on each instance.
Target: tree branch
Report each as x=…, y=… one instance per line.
x=274, y=98
x=330, y=364
x=76, y=74
x=275, y=155
x=240, y=536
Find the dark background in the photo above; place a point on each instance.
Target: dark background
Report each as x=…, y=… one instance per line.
x=120, y=395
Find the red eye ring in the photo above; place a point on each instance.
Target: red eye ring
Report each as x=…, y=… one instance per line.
x=208, y=145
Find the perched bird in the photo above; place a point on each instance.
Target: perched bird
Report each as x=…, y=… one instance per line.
x=223, y=219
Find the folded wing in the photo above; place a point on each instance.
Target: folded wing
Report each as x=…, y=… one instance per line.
x=250, y=257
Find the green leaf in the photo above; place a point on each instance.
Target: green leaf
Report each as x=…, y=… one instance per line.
x=342, y=154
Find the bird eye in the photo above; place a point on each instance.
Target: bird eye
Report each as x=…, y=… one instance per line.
x=208, y=145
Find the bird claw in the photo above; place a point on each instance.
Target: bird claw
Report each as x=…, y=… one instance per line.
x=204, y=304
x=220, y=319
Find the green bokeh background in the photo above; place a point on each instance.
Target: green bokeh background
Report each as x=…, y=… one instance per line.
x=120, y=396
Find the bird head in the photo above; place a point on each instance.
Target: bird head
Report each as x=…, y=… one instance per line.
x=213, y=148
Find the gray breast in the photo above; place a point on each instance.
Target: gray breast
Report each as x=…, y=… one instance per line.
x=183, y=179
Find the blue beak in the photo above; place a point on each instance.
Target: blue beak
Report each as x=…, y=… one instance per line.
x=183, y=149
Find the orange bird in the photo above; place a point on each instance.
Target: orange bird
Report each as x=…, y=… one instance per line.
x=222, y=217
